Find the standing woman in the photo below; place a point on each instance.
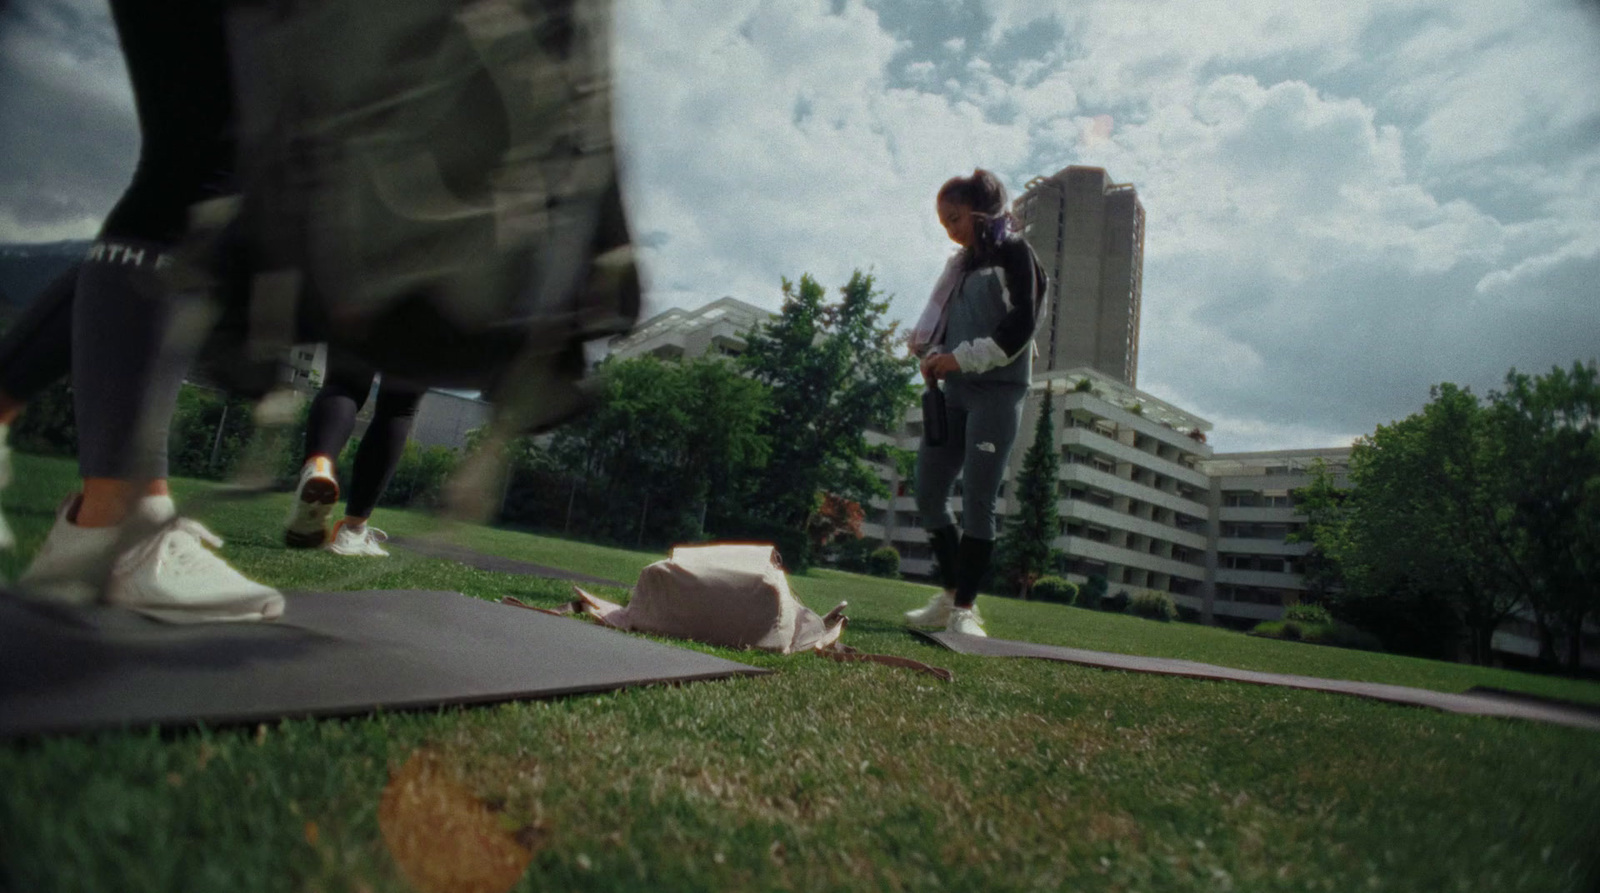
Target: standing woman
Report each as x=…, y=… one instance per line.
x=976, y=335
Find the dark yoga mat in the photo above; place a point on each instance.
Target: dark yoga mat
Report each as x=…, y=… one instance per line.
x=334, y=653
x=1481, y=704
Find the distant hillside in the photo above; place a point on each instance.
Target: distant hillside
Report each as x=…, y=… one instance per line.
x=25, y=269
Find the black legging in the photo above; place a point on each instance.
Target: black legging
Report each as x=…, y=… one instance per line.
x=125, y=373
x=333, y=420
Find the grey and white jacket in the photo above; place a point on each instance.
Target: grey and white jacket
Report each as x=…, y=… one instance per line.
x=991, y=319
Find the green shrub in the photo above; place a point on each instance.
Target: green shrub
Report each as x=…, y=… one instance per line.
x=851, y=553
x=419, y=478
x=1337, y=634
x=47, y=427
x=1055, y=589
x=1406, y=619
x=884, y=562
x=1116, y=604
x=1308, y=614
x=1094, y=589
x=1154, y=605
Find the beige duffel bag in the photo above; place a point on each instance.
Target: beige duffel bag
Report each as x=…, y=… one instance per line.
x=731, y=594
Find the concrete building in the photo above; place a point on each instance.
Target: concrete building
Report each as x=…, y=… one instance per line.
x=1252, y=570
x=305, y=366
x=718, y=328
x=1089, y=234
x=444, y=417
x=1130, y=492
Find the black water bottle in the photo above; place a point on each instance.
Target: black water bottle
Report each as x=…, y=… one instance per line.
x=934, y=426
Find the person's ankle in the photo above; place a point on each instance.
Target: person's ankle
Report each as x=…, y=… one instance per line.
x=106, y=502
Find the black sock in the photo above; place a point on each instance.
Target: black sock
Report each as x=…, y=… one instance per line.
x=972, y=564
x=946, y=541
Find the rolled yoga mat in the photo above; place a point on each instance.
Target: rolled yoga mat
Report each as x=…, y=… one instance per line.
x=1482, y=704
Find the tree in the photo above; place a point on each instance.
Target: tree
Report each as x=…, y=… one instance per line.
x=1326, y=530
x=833, y=372
x=1025, y=544
x=837, y=519
x=668, y=449
x=1427, y=514
x=1545, y=428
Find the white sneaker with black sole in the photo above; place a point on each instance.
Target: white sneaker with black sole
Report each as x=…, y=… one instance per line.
x=349, y=539
x=935, y=613
x=314, y=499
x=966, y=622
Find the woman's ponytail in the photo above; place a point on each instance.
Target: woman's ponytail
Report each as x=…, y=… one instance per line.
x=993, y=221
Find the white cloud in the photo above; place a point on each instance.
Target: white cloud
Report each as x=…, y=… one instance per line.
x=1347, y=202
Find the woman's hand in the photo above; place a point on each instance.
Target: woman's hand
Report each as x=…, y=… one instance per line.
x=937, y=366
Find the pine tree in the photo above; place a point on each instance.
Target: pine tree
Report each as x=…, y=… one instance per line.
x=1025, y=544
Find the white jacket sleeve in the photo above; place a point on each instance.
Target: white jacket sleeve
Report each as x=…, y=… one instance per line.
x=980, y=355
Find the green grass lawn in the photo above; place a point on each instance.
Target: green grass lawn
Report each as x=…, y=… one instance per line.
x=1019, y=775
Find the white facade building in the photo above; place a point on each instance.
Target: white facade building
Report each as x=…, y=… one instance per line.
x=1131, y=496
x=718, y=328
x=1252, y=570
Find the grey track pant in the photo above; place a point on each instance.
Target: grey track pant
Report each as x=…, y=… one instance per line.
x=983, y=418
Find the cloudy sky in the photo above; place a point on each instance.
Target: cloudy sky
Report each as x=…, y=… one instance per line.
x=1346, y=202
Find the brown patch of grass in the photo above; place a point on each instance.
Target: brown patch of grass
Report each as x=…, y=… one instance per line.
x=443, y=838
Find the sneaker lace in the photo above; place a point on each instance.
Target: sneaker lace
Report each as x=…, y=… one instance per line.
x=180, y=541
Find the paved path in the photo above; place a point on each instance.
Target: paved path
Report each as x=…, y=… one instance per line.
x=472, y=558
x=1482, y=702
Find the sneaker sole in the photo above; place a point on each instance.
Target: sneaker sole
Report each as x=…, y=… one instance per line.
x=317, y=499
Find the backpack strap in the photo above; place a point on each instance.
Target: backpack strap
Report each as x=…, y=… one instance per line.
x=846, y=654
x=566, y=609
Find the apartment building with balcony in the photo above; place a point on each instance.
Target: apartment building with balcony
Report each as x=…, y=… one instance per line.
x=1252, y=570
x=1129, y=488
x=718, y=328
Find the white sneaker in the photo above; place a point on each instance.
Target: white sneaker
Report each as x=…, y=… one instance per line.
x=348, y=539
x=173, y=576
x=74, y=562
x=314, y=498
x=936, y=613
x=966, y=622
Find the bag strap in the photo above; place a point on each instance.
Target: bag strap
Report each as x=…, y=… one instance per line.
x=566, y=609
x=846, y=654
